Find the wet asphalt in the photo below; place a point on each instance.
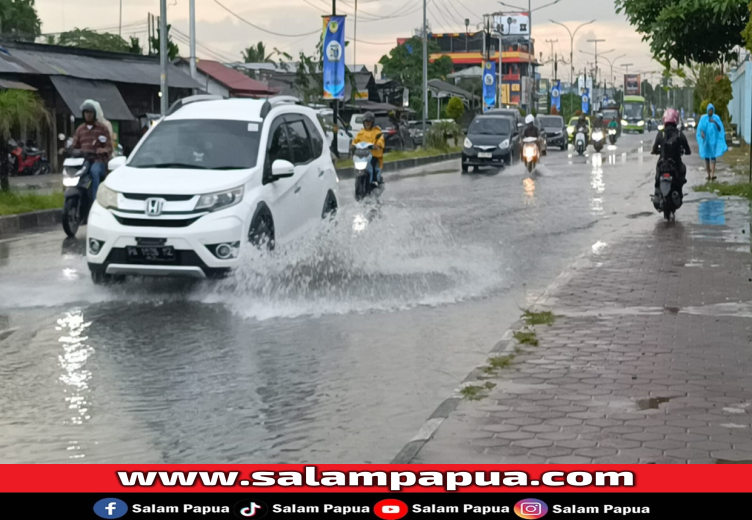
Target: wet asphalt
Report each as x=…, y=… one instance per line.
x=335, y=349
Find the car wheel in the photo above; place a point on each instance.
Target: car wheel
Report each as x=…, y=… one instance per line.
x=465, y=168
x=261, y=233
x=330, y=207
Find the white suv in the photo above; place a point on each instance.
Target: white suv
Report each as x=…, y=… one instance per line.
x=208, y=177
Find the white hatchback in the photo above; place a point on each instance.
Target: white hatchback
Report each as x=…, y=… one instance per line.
x=212, y=175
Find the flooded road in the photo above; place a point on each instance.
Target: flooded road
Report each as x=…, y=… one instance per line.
x=334, y=349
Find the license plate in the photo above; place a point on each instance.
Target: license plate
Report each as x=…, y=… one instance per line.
x=150, y=253
x=485, y=155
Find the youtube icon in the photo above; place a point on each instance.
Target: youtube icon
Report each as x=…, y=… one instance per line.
x=390, y=509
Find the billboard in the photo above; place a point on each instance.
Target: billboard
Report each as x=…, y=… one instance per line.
x=517, y=24
x=632, y=85
x=489, y=85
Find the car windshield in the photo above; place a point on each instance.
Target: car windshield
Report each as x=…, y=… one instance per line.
x=203, y=144
x=633, y=110
x=551, y=122
x=490, y=126
x=609, y=115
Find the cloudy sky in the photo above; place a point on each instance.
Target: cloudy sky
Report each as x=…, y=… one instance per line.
x=222, y=36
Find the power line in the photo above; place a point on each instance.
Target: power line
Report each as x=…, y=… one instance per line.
x=261, y=28
x=448, y=23
x=449, y=14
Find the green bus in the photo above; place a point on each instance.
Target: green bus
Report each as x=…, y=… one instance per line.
x=633, y=114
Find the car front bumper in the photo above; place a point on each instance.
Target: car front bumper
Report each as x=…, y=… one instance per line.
x=498, y=157
x=557, y=140
x=192, y=257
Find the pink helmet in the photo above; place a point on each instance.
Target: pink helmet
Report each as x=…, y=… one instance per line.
x=671, y=117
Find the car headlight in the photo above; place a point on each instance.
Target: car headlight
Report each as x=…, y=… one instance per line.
x=504, y=144
x=641, y=123
x=468, y=143
x=624, y=122
x=106, y=197
x=570, y=130
x=220, y=200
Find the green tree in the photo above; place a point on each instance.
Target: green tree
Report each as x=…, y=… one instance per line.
x=404, y=63
x=172, y=49
x=747, y=32
x=88, y=39
x=702, y=31
x=18, y=108
x=455, y=109
x=19, y=20
x=258, y=54
x=135, y=46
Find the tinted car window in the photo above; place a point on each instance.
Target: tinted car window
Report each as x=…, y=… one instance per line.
x=317, y=142
x=205, y=144
x=383, y=122
x=490, y=126
x=551, y=122
x=279, y=146
x=301, y=146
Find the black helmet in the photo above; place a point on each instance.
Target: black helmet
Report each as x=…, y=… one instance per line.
x=89, y=107
x=368, y=116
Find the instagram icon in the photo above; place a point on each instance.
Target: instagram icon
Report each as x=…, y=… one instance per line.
x=531, y=508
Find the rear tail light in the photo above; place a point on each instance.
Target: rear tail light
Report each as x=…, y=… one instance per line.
x=666, y=175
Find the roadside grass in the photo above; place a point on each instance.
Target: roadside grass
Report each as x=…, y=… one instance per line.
x=538, y=318
x=497, y=363
x=476, y=392
x=398, y=156
x=527, y=338
x=737, y=158
x=725, y=189
x=12, y=203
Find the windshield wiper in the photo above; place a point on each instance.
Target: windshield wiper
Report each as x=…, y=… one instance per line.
x=173, y=165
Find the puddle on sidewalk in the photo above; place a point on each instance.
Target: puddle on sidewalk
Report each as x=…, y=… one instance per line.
x=712, y=212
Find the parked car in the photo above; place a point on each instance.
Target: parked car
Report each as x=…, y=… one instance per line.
x=212, y=175
x=492, y=140
x=416, y=128
x=556, y=131
x=344, y=136
x=395, y=138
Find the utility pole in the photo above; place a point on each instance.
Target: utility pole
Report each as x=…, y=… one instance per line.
x=192, y=7
x=595, y=76
x=571, y=56
x=627, y=65
x=425, y=72
x=163, y=92
x=120, y=20
x=552, y=51
x=335, y=102
x=355, y=41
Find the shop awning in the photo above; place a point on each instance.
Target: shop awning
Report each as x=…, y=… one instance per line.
x=75, y=91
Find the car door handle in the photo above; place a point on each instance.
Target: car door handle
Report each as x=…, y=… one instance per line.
x=297, y=189
x=322, y=172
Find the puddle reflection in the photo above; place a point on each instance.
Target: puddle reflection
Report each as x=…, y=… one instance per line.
x=712, y=212
x=529, y=187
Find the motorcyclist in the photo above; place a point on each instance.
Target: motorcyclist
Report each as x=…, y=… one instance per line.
x=599, y=123
x=530, y=130
x=92, y=137
x=670, y=144
x=372, y=134
x=582, y=126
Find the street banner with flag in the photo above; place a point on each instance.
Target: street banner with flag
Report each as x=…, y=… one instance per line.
x=556, y=95
x=586, y=101
x=334, y=57
x=489, y=85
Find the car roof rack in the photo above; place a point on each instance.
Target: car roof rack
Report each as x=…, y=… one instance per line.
x=278, y=100
x=180, y=103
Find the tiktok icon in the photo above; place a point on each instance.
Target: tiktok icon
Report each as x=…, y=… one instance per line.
x=250, y=509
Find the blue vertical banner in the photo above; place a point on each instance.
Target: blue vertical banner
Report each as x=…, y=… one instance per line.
x=586, y=101
x=489, y=85
x=556, y=95
x=334, y=57
x=652, y=108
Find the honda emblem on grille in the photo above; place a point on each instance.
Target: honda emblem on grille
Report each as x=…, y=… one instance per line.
x=154, y=207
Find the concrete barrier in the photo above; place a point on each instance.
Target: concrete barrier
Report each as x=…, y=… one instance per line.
x=349, y=173
x=10, y=224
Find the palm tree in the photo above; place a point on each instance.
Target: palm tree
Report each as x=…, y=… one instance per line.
x=18, y=109
x=258, y=54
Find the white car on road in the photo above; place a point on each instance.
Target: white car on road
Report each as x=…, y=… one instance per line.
x=211, y=176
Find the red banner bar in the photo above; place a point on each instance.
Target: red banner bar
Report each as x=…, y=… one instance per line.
x=375, y=478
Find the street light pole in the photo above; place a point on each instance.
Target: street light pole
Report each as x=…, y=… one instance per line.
x=552, y=52
x=425, y=73
x=595, y=76
x=571, y=54
x=192, y=18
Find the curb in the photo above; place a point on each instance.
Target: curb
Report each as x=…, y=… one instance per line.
x=349, y=173
x=25, y=221
x=506, y=345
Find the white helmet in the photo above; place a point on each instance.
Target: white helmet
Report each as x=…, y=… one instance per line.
x=530, y=119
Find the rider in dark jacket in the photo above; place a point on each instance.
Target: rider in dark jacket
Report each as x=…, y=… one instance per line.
x=530, y=130
x=671, y=144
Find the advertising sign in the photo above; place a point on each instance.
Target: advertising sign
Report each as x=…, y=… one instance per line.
x=586, y=102
x=489, y=85
x=556, y=95
x=517, y=24
x=632, y=85
x=334, y=57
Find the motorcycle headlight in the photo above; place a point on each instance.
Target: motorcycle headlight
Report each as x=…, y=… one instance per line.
x=570, y=130
x=220, y=200
x=106, y=197
x=468, y=143
x=70, y=181
x=597, y=136
x=641, y=123
x=504, y=144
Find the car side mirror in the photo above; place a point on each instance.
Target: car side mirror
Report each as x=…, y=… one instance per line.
x=116, y=163
x=282, y=169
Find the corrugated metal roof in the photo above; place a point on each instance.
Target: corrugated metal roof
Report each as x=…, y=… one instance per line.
x=14, y=85
x=233, y=79
x=29, y=58
x=75, y=91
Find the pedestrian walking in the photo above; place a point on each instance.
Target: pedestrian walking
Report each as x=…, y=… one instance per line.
x=711, y=136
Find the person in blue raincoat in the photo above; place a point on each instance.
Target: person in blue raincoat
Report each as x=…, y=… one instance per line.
x=711, y=136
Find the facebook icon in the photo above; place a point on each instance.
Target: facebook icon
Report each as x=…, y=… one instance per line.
x=110, y=508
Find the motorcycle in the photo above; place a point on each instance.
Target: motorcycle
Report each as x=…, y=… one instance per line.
x=362, y=157
x=77, y=182
x=668, y=197
x=580, y=141
x=26, y=160
x=530, y=153
x=612, y=134
x=599, y=140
